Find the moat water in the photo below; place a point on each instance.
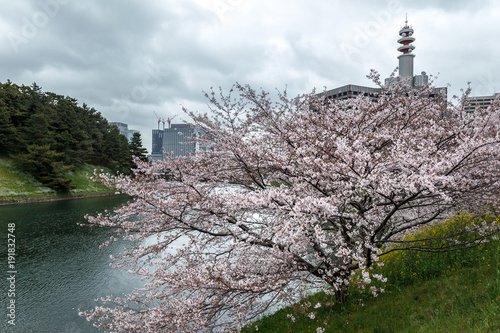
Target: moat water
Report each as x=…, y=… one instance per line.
x=59, y=267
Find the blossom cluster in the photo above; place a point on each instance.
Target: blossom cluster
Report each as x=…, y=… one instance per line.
x=296, y=194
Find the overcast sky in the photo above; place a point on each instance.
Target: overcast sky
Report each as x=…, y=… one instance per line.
x=130, y=58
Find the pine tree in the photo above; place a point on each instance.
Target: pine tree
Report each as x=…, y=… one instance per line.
x=136, y=147
x=46, y=166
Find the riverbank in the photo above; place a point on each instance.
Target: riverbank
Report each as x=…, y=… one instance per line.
x=467, y=300
x=454, y=291
x=17, y=187
x=4, y=202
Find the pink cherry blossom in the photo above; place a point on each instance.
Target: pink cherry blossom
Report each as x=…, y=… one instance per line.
x=296, y=194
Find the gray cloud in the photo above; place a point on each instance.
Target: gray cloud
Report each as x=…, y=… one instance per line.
x=130, y=58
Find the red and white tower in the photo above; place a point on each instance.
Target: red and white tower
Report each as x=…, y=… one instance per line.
x=406, y=58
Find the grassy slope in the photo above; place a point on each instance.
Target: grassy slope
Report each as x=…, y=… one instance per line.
x=461, y=302
x=15, y=184
x=468, y=300
x=462, y=296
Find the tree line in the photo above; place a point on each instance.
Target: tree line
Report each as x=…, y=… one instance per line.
x=47, y=135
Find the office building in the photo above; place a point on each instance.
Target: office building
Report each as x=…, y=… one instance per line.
x=123, y=128
x=406, y=48
x=174, y=141
x=480, y=101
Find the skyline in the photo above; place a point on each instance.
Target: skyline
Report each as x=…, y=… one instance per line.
x=128, y=60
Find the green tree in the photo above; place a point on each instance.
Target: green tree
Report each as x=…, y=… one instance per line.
x=136, y=147
x=13, y=117
x=72, y=136
x=34, y=122
x=46, y=166
x=116, y=149
x=8, y=131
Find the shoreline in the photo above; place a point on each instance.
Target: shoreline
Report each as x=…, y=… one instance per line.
x=19, y=201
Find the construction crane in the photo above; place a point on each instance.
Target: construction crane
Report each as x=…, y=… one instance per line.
x=159, y=120
x=169, y=120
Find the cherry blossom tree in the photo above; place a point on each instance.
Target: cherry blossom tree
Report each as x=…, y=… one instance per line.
x=294, y=196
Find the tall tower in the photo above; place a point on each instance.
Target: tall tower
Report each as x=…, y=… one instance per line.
x=406, y=58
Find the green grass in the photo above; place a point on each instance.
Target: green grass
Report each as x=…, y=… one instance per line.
x=450, y=292
x=15, y=184
x=84, y=185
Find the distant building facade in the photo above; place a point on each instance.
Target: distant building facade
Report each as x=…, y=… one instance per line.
x=157, y=144
x=352, y=91
x=174, y=141
x=123, y=128
x=405, y=71
x=480, y=101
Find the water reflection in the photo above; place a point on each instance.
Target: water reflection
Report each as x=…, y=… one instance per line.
x=60, y=266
